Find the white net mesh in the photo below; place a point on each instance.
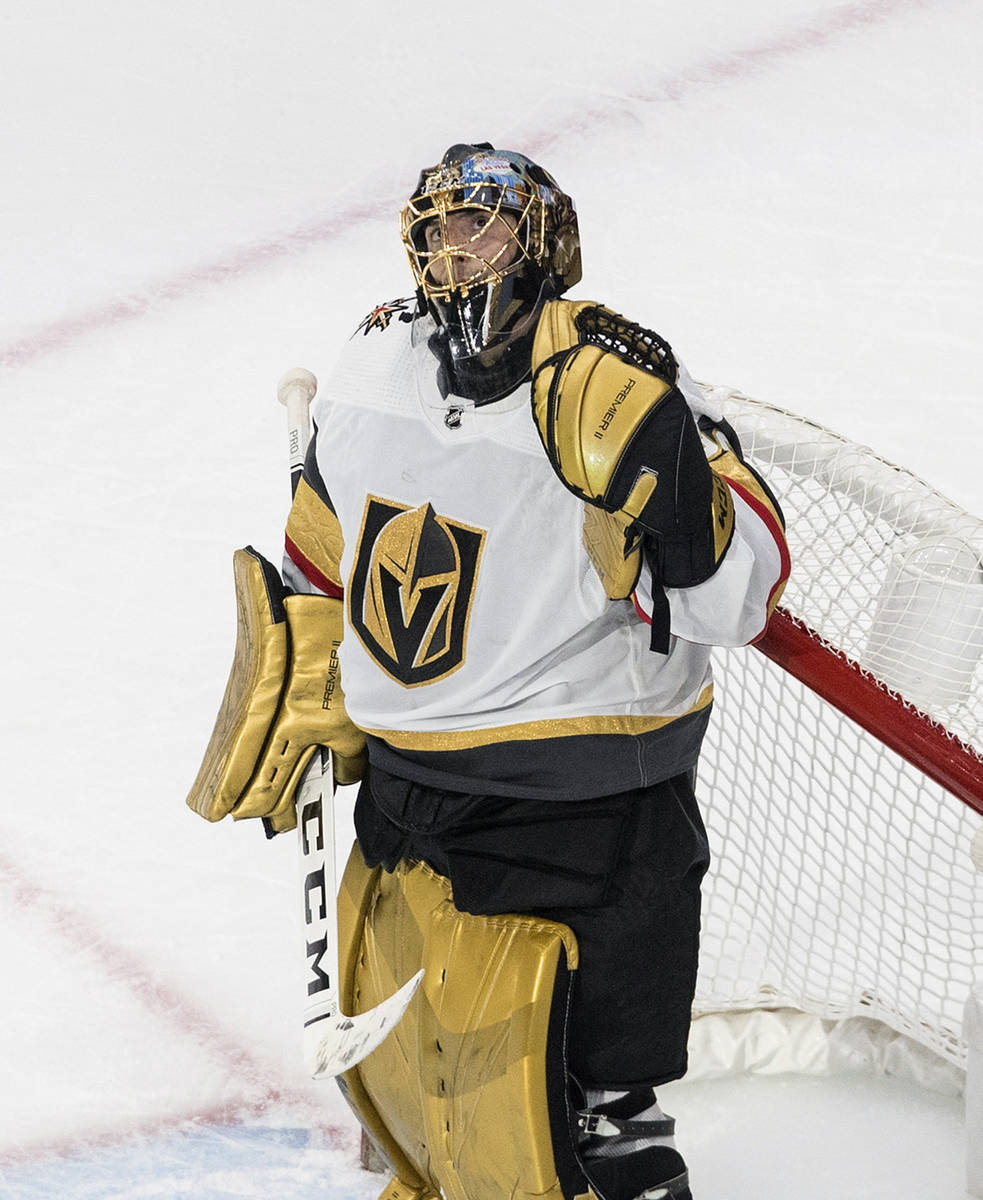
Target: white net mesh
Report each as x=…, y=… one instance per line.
x=843, y=883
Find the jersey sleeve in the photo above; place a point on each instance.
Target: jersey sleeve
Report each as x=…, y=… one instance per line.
x=313, y=542
x=733, y=606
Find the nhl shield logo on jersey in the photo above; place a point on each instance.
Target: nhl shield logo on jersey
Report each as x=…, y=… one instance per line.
x=411, y=589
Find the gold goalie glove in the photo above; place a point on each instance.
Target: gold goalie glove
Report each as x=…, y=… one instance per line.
x=282, y=700
x=620, y=435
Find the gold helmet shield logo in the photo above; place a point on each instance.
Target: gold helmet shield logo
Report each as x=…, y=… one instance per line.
x=411, y=589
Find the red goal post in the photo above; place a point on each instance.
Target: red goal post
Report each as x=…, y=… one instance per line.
x=842, y=776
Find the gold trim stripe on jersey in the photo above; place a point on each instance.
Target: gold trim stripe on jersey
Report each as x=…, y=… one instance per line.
x=469, y=739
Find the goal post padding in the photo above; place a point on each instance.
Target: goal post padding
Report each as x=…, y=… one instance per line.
x=974, y=1093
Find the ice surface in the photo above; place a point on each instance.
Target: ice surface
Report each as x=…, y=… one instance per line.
x=204, y=1162
x=197, y=198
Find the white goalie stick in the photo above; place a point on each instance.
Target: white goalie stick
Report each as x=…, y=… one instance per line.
x=333, y=1042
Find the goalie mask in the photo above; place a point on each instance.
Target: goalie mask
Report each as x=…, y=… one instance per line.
x=490, y=238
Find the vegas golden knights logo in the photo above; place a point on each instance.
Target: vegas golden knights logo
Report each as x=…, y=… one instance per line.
x=411, y=589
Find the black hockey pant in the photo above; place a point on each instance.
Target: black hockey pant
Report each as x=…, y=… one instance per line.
x=622, y=871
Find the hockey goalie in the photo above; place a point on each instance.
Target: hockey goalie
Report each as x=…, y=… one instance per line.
x=520, y=529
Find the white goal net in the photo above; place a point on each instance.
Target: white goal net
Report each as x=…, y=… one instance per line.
x=842, y=884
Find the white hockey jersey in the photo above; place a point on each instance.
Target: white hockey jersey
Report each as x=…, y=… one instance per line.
x=481, y=652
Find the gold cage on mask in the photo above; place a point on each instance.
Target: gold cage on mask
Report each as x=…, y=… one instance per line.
x=527, y=239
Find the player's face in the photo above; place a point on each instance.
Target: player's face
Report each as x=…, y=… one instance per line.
x=472, y=242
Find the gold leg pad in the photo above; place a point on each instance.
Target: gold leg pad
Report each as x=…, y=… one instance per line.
x=397, y=1190
x=456, y=1097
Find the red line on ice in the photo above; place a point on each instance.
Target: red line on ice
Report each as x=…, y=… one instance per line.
x=739, y=64
x=812, y=35
x=64, y=333
x=94, y=1139
x=260, y=1085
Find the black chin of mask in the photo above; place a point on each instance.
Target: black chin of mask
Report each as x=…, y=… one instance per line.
x=468, y=368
